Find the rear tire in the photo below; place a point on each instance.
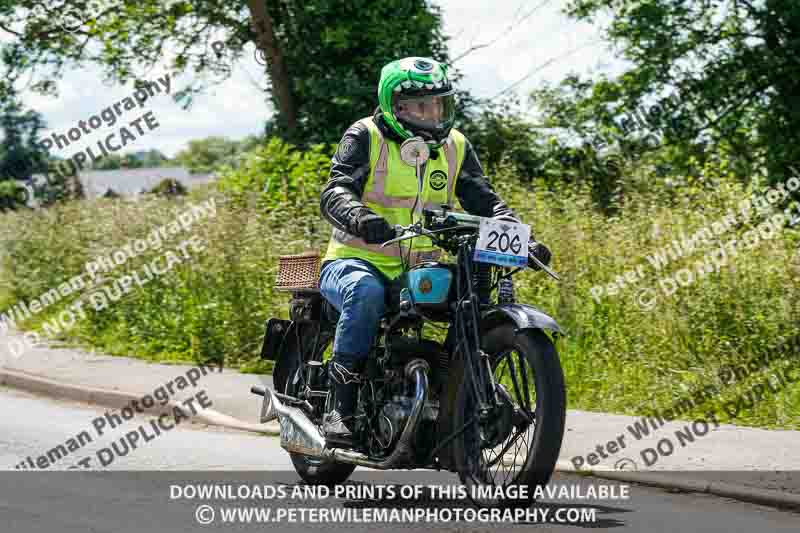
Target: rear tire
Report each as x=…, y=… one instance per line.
x=313, y=471
x=547, y=412
x=321, y=472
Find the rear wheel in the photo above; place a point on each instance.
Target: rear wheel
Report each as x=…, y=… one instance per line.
x=288, y=378
x=518, y=443
x=321, y=471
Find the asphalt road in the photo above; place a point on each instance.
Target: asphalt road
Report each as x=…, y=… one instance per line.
x=144, y=490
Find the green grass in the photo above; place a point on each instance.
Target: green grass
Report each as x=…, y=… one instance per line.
x=6, y=297
x=617, y=357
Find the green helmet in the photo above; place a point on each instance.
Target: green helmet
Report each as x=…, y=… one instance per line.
x=417, y=99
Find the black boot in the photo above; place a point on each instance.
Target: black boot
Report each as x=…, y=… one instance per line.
x=338, y=424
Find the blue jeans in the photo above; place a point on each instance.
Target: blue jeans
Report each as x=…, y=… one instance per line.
x=356, y=289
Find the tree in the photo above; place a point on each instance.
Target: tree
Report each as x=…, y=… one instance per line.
x=20, y=156
x=335, y=50
x=500, y=134
x=153, y=158
x=731, y=66
x=12, y=196
x=141, y=159
x=60, y=182
x=203, y=156
x=109, y=162
x=131, y=161
x=169, y=187
x=264, y=26
x=23, y=159
x=323, y=56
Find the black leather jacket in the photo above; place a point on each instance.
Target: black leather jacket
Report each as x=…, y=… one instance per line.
x=341, y=198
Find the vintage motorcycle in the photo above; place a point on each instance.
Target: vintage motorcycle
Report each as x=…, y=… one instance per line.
x=486, y=400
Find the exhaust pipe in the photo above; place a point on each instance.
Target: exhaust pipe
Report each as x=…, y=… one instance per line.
x=300, y=435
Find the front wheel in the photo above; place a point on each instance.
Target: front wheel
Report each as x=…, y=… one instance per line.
x=516, y=444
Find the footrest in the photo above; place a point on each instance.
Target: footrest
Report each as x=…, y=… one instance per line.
x=339, y=442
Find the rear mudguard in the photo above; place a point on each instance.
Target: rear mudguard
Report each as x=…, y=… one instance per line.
x=291, y=344
x=522, y=315
x=272, y=345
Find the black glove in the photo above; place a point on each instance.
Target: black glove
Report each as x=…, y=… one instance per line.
x=540, y=252
x=374, y=229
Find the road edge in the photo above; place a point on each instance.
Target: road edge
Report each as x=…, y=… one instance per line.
x=118, y=399
x=769, y=497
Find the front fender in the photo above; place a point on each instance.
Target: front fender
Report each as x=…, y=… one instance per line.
x=522, y=315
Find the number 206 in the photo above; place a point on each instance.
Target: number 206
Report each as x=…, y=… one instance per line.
x=504, y=242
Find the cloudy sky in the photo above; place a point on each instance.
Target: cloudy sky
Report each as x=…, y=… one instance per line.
x=532, y=40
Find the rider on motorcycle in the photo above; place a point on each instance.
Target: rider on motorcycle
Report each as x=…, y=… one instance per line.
x=371, y=190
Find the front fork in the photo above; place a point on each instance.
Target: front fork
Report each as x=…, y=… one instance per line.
x=484, y=385
x=475, y=292
x=487, y=366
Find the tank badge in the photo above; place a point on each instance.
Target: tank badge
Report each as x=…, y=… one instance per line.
x=425, y=285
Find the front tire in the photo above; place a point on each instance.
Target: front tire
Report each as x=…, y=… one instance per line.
x=529, y=376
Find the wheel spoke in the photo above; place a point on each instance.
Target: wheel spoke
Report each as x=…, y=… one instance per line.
x=506, y=447
x=525, y=385
x=511, y=454
x=513, y=371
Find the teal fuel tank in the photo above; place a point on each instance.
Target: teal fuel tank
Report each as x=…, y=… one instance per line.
x=430, y=285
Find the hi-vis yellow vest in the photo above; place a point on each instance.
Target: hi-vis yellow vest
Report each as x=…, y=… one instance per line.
x=390, y=192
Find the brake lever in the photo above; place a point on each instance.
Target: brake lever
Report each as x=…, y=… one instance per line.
x=544, y=267
x=417, y=232
x=398, y=239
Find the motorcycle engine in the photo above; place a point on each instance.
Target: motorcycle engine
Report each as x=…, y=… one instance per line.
x=395, y=396
x=394, y=417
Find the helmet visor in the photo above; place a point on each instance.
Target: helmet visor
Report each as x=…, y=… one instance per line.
x=430, y=113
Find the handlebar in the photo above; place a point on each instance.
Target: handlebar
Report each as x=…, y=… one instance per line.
x=402, y=230
x=458, y=221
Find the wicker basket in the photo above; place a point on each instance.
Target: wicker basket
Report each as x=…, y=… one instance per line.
x=298, y=272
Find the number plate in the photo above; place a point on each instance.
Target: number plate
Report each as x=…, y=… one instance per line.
x=503, y=243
